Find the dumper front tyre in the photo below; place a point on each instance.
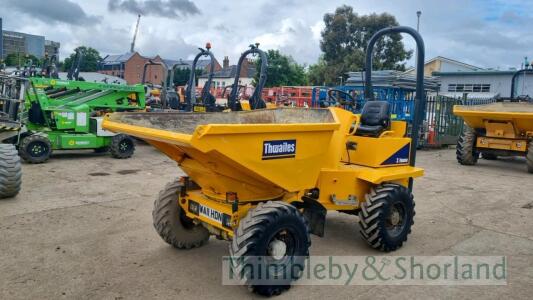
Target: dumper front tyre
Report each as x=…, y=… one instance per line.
x=10, y=171
x=466, y=150
x=171, y=223
x=35, y=148
x=122, y=146
x=386, y=217
x=270, y=247
x=529, y=158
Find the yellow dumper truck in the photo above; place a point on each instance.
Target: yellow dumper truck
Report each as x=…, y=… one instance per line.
x=264, y=179
x=496, y=129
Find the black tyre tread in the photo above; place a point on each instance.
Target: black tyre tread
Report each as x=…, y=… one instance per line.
x=115, y=144
x=247, y=235
x=168, y=225
x=529, y=157
x=10, y=171
x=372, y=213
x=466, y=152
x=27, y=140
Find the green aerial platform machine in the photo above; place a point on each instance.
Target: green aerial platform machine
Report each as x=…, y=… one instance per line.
x=67, y=114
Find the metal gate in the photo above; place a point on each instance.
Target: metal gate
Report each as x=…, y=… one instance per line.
x=441, y=126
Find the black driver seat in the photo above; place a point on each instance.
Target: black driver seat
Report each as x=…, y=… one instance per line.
x=375, y=118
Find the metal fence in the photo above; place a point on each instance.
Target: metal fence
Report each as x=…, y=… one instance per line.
x=441, y=127
x=401, y=100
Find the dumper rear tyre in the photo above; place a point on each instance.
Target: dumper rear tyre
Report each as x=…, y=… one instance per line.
x=466, y=150
x=171, y=223
x=529, y=158
x=122, y=146
x=386, y=217
x=35, y=148
x=10, y=171
x=273, y=234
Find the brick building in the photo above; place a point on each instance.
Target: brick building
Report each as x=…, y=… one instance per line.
x=130, y=67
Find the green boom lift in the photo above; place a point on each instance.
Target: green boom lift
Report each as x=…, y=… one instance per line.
x=67, y=114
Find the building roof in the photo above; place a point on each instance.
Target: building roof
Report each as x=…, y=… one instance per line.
x=200, y=64
x=115, y=59
x=122, y=58
x=231, y=71
x=453, y=61
x=481, y=72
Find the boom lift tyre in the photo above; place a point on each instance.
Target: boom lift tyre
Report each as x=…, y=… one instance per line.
x=466, y=151
x=122, y=146
x=35, y=148
x=171, y=223
x=10, y=171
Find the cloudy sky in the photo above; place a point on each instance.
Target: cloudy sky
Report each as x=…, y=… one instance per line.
x=487, y=33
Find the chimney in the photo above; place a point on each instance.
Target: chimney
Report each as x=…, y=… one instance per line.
x=225, y=62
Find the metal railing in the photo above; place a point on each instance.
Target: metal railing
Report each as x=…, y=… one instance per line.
x=441, y=127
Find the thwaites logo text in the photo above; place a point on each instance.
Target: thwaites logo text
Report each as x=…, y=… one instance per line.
x=279, y=149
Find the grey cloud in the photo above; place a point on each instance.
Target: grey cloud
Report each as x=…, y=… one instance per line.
x=223, y=28
x=162, y=8
x=60, y=11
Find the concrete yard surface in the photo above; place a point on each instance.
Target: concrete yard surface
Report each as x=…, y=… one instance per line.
x=81, y=228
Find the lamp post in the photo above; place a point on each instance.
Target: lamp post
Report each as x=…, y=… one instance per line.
x=418, y=14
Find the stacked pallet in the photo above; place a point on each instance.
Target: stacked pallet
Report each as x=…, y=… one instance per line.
x=391, y=78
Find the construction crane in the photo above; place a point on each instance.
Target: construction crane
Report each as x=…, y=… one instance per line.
x=132, y=49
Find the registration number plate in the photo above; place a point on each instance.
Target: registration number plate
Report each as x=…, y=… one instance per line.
x=210, y=213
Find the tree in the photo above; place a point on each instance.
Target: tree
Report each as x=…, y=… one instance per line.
x=20, y=59
x=181, y=76
x=344, y=41
x=89, y=62
x=282, y=70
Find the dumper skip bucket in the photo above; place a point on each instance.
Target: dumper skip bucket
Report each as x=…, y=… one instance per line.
x=260, y=154
x=519, y=113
